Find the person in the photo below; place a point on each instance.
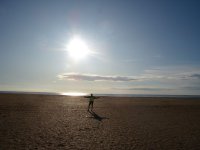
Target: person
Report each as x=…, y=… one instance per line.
x=91, y=100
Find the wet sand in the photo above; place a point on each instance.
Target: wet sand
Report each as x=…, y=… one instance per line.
x=61, y=122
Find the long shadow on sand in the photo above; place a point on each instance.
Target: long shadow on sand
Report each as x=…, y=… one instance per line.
x=96, y=116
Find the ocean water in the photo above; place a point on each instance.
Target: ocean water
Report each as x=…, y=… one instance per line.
x=113, y=95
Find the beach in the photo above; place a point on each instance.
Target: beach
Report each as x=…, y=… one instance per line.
x=34, y=121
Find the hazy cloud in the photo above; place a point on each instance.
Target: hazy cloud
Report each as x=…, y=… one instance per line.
x=171, y=73
x=197, y=76
x=155, y=74
x=191, y=88
x=158, y=88
x=144, y=89
x=92, y=77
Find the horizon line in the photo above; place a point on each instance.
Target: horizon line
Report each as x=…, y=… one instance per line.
x=78, y=94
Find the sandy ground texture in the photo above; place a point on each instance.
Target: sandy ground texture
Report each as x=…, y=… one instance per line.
x=61, y=122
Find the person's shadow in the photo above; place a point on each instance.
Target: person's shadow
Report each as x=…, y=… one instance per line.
x=96, y=116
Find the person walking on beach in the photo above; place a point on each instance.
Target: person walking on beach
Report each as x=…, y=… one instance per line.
x=91, y=100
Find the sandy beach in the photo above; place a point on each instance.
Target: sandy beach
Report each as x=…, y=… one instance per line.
x=62, y=122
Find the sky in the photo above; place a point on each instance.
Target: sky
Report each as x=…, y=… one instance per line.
x=100, y=46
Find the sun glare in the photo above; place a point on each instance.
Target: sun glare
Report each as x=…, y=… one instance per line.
x=77, y=48
x=74, y=94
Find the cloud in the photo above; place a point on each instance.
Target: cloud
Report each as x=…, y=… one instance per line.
x=144, y=77
x=151, y=89
x=154, y=74
x=171, y=73
x=196, y=76
x=191, y=88
x=92, y=77
x=144, y=89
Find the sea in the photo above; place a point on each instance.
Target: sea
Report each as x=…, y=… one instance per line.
x=100, y=94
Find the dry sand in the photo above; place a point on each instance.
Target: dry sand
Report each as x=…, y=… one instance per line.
x=61, y=122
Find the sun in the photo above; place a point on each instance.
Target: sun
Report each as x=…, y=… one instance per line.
x=77, y=48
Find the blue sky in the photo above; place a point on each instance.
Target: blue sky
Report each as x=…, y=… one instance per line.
x=136, y=47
